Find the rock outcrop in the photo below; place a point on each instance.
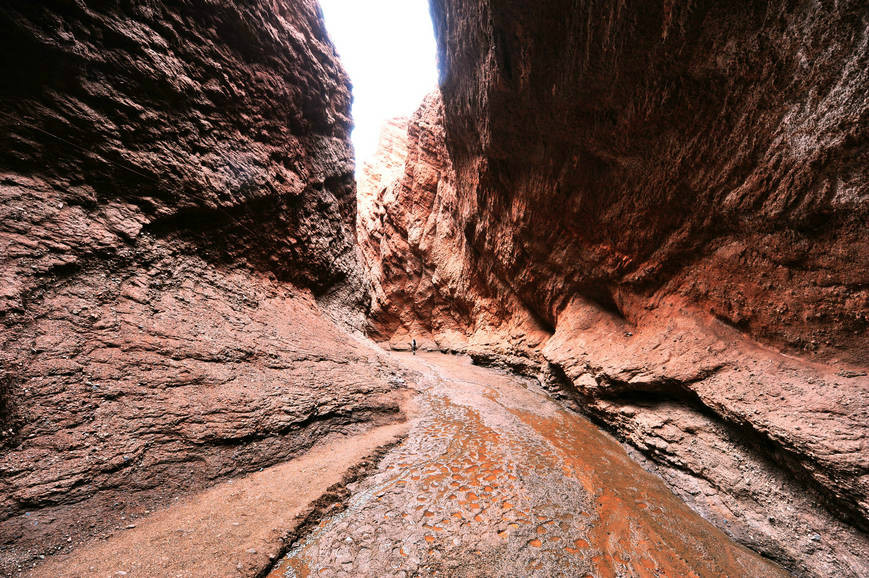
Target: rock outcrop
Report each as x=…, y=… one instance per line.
x=425, y=280
x=679, y=147
x=176, y=197
x=659, y=209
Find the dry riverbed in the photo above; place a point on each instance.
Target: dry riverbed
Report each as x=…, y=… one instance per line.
x=492, y=478
x=496, y=479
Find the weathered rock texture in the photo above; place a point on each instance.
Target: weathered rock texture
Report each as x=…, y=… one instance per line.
x=662, y=190
x=425, y=280
x=721, y=154
x=388, y=166
x=176, y=193
x=650, y=205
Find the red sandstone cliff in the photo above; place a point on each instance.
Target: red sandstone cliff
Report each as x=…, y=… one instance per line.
x=425, y=280
x=167, y=168
x=389, y=165
x=616, y=149
x=640, y=199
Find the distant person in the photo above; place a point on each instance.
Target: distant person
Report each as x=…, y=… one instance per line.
x=413, y=346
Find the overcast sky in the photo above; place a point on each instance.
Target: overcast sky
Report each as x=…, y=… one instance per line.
x=388, y=49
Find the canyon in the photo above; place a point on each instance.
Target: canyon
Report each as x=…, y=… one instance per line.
x=648, y=214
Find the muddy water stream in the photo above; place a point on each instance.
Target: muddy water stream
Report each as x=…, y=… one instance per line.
x=496, y=479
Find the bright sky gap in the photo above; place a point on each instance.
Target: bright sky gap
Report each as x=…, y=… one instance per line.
x=388, y=49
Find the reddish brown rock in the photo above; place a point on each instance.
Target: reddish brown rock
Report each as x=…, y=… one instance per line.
x=227, y=125
x=770, y=447
x=664, y=191
x=387, y=166
x=631, y=201
x=684, y=147
x=496, y=479
x=425, y=280
x=176, y=204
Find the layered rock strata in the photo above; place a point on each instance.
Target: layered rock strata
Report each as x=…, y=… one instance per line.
x=176, y=197
x=656, y=208
x=659, y=210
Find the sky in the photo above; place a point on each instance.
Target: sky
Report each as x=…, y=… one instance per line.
x=388, y=49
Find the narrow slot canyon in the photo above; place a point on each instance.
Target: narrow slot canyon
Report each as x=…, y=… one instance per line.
x=596, y=306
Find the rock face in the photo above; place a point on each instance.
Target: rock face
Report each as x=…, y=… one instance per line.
x=388, y=165
x=426, y=281
x=226, y=124
x=402, y=193
x=609, y=148
x=176, y=196
x=658, y=209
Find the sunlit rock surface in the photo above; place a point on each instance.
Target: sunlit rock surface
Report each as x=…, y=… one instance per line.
x=426, y=284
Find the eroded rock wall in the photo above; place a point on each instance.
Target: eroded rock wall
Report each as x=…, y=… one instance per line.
x=224, y=122
x=674, y=196
x=176, y=197
x=425, y=281
x=628, y=147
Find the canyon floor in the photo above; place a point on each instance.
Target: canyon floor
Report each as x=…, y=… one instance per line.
x=497, y=479
x=488, y=475
x=492, y=477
